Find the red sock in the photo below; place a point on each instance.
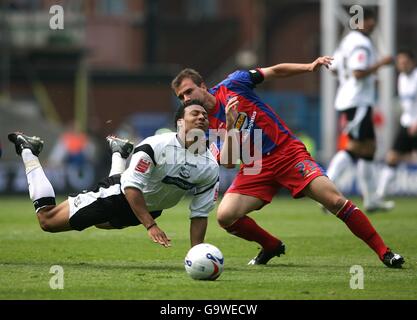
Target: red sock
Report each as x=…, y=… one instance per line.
x=247, y=229
x=361, y=227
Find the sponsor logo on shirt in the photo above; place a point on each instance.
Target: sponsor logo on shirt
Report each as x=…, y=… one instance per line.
x=182, y=184
x=241, y=121
x=142, y=166
x=250, y=125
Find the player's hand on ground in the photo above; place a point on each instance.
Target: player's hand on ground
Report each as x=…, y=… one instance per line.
x=231, y=112
x=321, y=61
x=158, y=236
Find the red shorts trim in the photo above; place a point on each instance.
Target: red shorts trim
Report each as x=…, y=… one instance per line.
x=278, y=171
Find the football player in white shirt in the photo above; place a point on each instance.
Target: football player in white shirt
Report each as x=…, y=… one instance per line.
x=162, y=170
x=355, y=64
x=406, y=140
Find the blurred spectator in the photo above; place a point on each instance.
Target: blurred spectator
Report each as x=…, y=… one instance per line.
x=75, y=152
x=406, y=140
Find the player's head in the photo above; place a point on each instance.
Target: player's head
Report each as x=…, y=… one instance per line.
x=192, y=114
x=369, y=20
x=189, y=85
x=405, y=60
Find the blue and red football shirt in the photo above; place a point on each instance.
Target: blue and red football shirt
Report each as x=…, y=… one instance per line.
x=253, y=113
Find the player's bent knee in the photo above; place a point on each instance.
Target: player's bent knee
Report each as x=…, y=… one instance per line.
x=224, y=219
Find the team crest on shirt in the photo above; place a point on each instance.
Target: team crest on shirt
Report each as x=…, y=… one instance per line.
x=361, y=57
x=142, y=166
x=77, y=201
x=184, y=172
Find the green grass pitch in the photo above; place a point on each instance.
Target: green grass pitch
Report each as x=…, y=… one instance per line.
x=125, y=264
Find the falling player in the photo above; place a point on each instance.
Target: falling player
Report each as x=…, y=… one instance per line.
x=406, y=140
x=162, y=170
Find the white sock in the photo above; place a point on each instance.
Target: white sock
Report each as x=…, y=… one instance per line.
x=387, y=176
x=340, y=161
x=118, y=164
x=40, y=189
x=366, y=180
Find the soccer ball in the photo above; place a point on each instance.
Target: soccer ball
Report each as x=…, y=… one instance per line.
x=204, y=262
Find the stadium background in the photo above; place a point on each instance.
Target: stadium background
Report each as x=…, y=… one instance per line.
x=109, y=70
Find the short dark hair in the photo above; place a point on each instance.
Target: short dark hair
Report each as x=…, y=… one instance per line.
x=369, y=13
x=181, y=109
x=408, y=52
x=184, y=74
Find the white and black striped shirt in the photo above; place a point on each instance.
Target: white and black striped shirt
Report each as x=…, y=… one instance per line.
x=355, y=52
x=407, y=91
x=165, y=171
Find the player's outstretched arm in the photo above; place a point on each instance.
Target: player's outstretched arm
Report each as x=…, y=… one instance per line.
x=359, y=74
x=284, y=70
x=137, y=203
x=198, y=227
